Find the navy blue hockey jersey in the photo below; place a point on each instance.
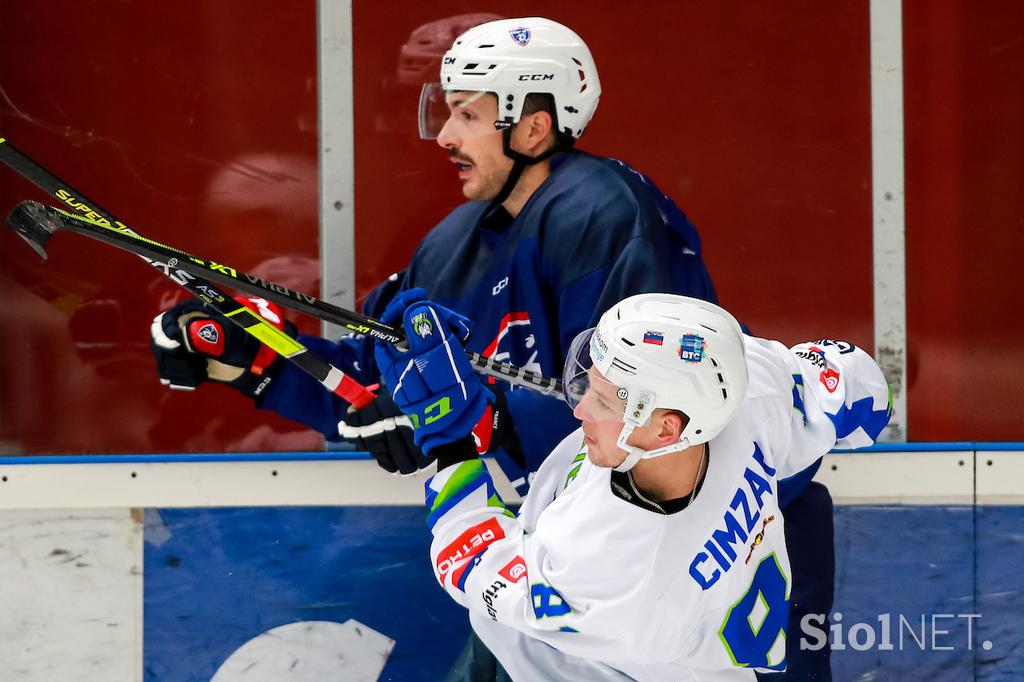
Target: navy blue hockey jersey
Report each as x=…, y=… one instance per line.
x=595, y=232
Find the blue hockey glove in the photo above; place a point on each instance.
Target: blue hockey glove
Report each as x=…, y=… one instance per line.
x=192, y=344
x=396, y=307
x=432, y=382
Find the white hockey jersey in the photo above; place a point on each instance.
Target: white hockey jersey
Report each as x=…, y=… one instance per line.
x=584, y=585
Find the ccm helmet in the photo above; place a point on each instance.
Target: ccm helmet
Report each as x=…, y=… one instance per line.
x=513, y=58
x=668, y=351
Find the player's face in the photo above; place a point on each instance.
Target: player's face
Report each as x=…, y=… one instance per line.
x=473, y=144
x=600, y=411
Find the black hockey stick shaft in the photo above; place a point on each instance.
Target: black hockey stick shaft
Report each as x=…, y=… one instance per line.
x=330, y=377
x=122, y=238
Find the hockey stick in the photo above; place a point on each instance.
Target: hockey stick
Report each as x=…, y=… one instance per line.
x=329, y=376
x=36, y=223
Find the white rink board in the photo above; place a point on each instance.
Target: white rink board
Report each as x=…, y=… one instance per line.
x=71, y=601
x=868, y=477
x=899, y=477
x=1000, y=477
x=153, y=482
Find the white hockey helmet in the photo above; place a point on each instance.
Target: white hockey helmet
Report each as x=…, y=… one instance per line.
x=513, y=58
x=667, y=351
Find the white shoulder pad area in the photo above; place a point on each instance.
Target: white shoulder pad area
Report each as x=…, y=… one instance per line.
x=814, y=397
x=847, y=386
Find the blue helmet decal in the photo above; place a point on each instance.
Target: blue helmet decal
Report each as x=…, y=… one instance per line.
x=521, y=35
x=691, y=348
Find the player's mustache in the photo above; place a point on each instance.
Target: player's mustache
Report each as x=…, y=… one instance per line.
x=453, y=154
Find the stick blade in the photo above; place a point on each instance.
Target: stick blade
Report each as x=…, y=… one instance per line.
x=33, y=223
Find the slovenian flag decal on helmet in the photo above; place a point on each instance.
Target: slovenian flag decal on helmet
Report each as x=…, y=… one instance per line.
x=691, y=347
x=521, y=35
x=654, y=338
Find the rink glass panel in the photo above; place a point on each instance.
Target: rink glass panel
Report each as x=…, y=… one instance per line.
x=200, y=130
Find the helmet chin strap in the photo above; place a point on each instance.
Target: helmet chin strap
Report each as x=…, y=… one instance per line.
x=635, y=454
x=521, y=161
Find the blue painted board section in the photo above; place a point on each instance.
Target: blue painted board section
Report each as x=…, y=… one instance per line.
x=1000, y=589
x=220, y=577
x=904, y=561
x=216, y=578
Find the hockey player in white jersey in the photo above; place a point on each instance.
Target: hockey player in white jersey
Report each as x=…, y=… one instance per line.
x=651, y=544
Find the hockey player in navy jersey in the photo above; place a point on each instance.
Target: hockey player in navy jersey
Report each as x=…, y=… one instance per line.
x=651, y=545
x=549, y=238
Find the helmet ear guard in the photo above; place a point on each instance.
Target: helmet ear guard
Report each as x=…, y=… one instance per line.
x=639, y=407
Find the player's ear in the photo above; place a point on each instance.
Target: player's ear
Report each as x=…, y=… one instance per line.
x=543, y=123
x=670, y=426
x=538, y=130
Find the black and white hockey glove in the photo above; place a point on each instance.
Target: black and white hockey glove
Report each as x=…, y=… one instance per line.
x=381, y=429
x=192, y=344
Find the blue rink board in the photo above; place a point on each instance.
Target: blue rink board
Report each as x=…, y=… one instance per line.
x=215, y=578
x=937, y=562
x=223, y=576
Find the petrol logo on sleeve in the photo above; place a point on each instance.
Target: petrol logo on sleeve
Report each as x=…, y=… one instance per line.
x=515, y=570
x=472, y=541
